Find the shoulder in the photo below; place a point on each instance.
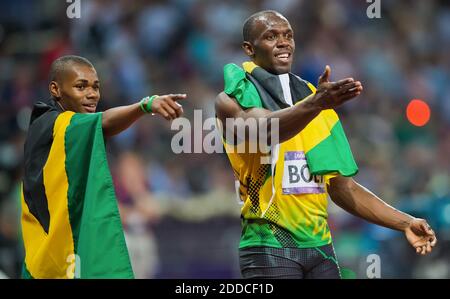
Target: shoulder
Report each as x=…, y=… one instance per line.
x=40, y=129
x=222, y=99
x=301, y=79
x=43, y=112
x=305, y=83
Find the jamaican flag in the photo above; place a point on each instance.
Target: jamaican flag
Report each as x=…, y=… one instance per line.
x=70, y=220
x=326, y=147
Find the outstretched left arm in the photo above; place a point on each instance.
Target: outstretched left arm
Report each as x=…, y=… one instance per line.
x=359, y=201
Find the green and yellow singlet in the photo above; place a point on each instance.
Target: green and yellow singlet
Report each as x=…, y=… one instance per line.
x=283, y=205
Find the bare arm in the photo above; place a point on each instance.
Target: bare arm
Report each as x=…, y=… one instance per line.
x=293, y=119
x=359, y=201
x=118, y=119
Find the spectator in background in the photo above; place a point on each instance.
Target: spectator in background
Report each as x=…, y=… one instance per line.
x=139, y=211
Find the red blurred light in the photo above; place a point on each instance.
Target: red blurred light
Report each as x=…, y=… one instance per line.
x=418, y=112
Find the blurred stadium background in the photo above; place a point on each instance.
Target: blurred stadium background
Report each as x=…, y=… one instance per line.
x=179, y=211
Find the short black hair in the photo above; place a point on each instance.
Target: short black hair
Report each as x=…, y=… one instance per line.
x=59, y=66
x=247, y=30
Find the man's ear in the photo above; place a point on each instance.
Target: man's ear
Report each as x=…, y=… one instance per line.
x=248, y=49
x=53, y=87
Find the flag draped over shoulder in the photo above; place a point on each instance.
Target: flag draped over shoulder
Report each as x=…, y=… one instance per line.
x=326, y=146
x=70, y=220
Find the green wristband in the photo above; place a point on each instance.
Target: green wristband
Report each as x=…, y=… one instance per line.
x=147, y=107
x=141, y=104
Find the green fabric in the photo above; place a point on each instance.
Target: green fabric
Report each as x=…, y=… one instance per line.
x=25, y=273
x=257, y=234
x=260, y=233
x=333, y=154
x=94, y=216
x=238, y=86
x=347, y=273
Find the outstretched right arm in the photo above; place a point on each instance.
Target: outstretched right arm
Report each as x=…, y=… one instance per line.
x=118, y=119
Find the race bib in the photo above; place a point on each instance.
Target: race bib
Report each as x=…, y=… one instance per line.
x=296, y=176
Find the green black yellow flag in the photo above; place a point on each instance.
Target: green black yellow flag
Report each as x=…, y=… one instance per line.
x=326, y=146
x=70, y=219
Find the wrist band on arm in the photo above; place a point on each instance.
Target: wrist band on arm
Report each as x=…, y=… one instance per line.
x=146, y=104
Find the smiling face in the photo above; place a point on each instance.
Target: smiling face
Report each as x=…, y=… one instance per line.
x=77, y=89
x=272, y=43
